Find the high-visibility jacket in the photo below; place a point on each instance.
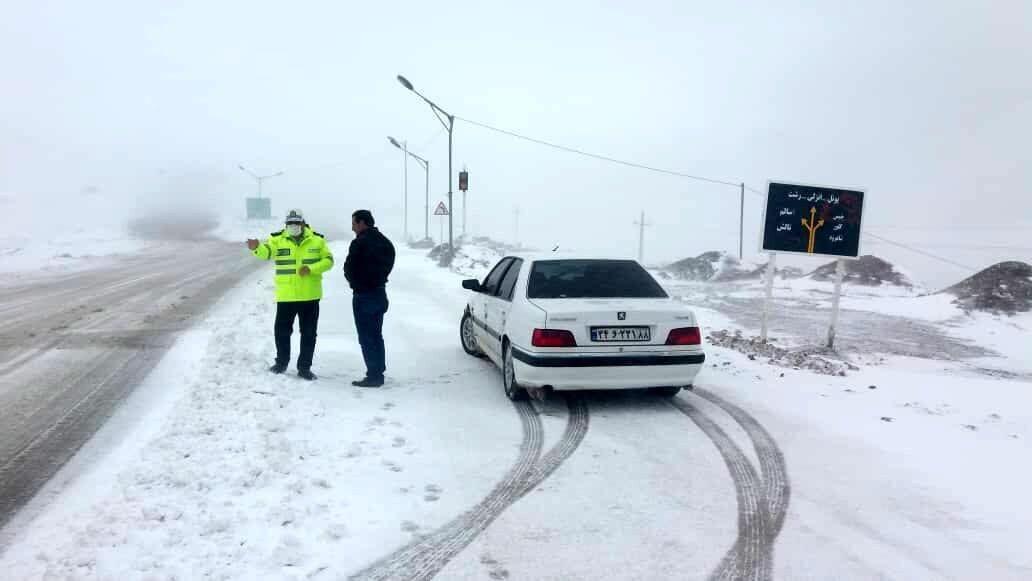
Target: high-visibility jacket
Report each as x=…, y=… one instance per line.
x=290, y=256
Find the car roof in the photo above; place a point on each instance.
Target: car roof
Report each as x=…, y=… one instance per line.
x=543, y=256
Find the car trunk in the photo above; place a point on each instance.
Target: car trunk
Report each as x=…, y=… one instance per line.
x=617, y=325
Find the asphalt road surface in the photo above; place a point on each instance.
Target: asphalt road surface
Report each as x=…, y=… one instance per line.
x=73, y=346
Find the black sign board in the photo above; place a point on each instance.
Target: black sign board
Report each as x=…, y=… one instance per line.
x=812, y=220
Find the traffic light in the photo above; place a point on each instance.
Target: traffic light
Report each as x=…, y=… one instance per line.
x=463, y=180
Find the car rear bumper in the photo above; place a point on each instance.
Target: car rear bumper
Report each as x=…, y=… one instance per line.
x=607, y=371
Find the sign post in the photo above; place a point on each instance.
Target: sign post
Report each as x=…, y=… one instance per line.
x=441, y=210
x=816, y=221
x=840, y=271
x=768, y=285
x=464, y=187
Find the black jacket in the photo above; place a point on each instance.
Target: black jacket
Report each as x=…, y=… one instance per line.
x=370, y=260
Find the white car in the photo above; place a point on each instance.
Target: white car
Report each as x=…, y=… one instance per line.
x=577, y=323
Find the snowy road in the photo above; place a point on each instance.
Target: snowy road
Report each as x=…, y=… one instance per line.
x=73, y=345
x=761, y=473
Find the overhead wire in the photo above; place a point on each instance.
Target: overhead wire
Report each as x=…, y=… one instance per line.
x=636, y=165
x=598, y=156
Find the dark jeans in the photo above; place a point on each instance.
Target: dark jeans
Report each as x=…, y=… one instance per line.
x=308, y=313
x=370, y=307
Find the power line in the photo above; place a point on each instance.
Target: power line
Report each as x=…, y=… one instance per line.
x=979, y=247
x=597, y=156
x=693, y=177
x=921, y=252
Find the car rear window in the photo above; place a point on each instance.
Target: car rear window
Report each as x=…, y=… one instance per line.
x=592, y=279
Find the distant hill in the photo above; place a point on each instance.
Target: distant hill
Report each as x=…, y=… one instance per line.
x=717, y=266
x=867, y=270
x=1002, y=288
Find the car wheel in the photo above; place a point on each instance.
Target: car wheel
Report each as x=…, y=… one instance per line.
x=669, y=391
x=512, y=387
x=467, y=334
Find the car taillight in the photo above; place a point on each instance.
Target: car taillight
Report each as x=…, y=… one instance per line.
x=553, y=338
x=685, y=336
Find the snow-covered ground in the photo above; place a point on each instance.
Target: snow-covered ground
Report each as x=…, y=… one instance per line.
x=240, y=229
x=909, y=469
x=67, y=250
x=78, y=248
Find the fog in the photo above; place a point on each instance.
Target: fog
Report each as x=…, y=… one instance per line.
x=118, y=115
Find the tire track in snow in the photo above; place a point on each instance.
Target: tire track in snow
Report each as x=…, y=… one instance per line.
x=425, y=558
x=576, y=429
x=399, y=564
x=777, y=486
x=751, y=557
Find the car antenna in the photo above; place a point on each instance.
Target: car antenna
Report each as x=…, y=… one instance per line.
x=556, y=248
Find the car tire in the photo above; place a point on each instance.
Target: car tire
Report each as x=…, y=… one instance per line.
x=513, y=391
x=668, y=391
x=468, y=337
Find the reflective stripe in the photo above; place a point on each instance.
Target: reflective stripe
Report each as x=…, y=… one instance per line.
x=310, y=260
x=290, y=261
x=280, y=271
x=283, y=252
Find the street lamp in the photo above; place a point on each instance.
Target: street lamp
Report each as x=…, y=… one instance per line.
x=259, y=178
x=426, y=167
x=449, y=125
x=404, y=157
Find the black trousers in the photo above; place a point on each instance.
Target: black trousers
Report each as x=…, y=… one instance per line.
x=369, y=307
x=308, y=313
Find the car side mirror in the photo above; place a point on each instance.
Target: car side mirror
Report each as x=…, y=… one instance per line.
x=472, y=284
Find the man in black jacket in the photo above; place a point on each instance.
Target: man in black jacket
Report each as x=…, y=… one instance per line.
x=370, y=260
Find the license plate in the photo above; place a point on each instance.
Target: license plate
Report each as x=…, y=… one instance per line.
x=620, y=334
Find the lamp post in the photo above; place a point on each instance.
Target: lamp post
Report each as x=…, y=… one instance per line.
x=449, y=125
x=426, y=167
x=259, y=178
x=405, y=158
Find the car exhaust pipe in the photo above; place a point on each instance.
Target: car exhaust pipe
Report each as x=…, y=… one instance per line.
x=539, y=393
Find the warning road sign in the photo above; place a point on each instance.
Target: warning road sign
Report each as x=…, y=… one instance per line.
x=441, y=210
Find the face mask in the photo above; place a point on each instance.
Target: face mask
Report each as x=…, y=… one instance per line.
x=295, y=229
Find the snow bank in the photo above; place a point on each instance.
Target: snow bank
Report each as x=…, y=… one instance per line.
x=811, y=359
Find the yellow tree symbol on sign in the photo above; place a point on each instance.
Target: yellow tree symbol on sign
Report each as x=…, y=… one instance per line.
x=812, y=228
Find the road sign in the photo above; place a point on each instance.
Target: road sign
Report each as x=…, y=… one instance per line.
x=812, y=220
x=441, y=210
x=259, y=209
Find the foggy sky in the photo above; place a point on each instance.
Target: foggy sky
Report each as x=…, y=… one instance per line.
x=927, y=106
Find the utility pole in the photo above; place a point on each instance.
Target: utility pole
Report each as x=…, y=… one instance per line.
x=741, y=224
x=516, y=239
x=426, y=167
x=404, y=149
x=641, y=237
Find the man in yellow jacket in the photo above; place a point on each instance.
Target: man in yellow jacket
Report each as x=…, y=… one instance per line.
x=302, y=257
